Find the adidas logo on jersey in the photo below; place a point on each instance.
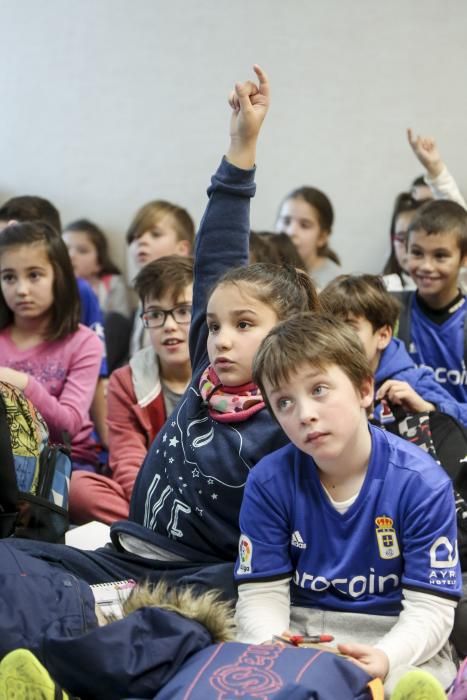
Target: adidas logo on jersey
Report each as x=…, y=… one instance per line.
x=297, y=540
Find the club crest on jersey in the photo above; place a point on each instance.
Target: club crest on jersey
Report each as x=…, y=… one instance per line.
x=245, y=552
x=386, y=537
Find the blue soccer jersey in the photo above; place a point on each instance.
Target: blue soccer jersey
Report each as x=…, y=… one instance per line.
x=441, y=347
x=399, y=533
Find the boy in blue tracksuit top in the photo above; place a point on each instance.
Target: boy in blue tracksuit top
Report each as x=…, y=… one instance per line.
x=363, y=302
x=434, y=332
x=349, y=530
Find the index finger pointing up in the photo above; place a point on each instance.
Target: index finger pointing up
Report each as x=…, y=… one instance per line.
x=263, y=79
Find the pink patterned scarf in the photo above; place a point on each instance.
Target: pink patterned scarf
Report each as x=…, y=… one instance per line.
x=229, y=404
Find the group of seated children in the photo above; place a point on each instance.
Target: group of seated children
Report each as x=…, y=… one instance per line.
x=340, y=528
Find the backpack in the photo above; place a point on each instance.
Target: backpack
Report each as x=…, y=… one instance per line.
x=34, y=475
x=269, y=672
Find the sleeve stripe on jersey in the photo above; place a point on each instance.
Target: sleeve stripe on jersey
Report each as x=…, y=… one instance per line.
x=277, y=577
x=435, y=592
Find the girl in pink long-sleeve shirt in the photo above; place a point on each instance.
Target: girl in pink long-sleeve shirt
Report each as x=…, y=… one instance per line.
x=44, y=351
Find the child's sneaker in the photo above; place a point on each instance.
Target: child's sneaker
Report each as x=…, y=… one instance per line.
x=418, y=685
x=23, y=677
x=458, y=690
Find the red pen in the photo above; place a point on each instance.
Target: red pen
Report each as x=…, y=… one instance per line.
x=297, y=639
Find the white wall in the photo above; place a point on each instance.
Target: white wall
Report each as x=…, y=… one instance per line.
x=105, y=104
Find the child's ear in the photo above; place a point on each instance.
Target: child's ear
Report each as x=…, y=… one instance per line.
x=322, y=239
x=384, y=335
x=367, y=392
x=183, y=248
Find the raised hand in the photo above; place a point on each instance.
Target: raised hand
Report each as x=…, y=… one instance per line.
x=426, y=151
x=249, y=102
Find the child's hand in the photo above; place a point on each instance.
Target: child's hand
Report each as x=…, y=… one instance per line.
x=372, y=660
x=426, y=150
x=276, y=638
x=402, y=394
x=250, y=103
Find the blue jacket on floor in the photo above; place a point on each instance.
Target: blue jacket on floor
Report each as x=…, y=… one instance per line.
x=36, y=594
x=161, y=655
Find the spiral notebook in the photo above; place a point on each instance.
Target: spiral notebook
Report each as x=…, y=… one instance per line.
x=111, y=596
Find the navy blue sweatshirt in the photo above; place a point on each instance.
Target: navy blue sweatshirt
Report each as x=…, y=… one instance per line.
x=187, y=496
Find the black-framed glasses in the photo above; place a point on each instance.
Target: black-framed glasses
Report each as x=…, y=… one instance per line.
x=156, y=318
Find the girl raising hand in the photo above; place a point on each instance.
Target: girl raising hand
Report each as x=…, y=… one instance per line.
x=187, y=495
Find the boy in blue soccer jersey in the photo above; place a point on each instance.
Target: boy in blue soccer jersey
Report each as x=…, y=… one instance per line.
x=433, y=326
x=349, y=530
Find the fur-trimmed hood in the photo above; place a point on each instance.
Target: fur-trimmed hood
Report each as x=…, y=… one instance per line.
x=215, y=614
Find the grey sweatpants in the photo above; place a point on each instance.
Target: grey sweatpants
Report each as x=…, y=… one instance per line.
x=367, y=629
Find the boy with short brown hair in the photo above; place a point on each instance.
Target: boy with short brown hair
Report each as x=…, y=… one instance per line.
x=349, y=529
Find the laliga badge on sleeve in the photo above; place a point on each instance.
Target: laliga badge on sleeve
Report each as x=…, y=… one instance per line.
x=386, y=537
x=245, y=552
